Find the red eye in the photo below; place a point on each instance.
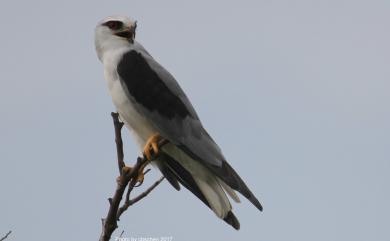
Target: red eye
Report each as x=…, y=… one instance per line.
x=114, y=25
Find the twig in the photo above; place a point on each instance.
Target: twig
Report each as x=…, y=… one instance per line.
x=6, y=236
x=146, y=192
x=118, y=140
x=129, y=202
x=128, y=177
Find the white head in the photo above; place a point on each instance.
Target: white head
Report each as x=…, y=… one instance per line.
x=114, y=32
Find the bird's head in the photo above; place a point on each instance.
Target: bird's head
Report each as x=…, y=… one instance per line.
x=114, y=32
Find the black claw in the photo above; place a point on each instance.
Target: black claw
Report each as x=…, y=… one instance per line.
x=138, y=183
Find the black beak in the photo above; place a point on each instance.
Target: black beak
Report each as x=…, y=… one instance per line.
x=128, y=33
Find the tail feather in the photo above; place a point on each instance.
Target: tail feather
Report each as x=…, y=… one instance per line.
x=232, y=220
x=176, y=173
x=167, y=171
x=180, y=174
x=230, y=191
x=227, y=174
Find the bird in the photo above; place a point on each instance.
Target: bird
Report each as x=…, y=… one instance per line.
x=154, y=107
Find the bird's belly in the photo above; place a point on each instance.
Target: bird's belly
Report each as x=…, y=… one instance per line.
x=134, y=121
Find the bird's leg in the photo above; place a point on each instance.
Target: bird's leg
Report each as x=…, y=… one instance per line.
x=125, y=170
x=152, y=144
x=150, y=149
x=140, y=175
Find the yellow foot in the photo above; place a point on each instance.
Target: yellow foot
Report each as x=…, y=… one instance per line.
x=125, y=169
x=152, y=144
x=140, y=175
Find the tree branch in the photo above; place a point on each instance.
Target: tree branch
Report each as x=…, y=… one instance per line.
x=146, y=192
x=118, y=140
x=6, y=236
x=130, y=202
x=128, y=177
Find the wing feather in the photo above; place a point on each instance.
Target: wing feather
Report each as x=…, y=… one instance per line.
x=156, y=95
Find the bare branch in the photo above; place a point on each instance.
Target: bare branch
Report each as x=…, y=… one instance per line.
x=128, y=177
x=118, y=140
x=146, y=192
x=129, y=202
x=6, y=236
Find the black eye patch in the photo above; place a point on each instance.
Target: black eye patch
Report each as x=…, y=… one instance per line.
x=114, y=25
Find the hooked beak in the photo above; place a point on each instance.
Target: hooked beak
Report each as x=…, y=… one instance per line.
x=128, y=32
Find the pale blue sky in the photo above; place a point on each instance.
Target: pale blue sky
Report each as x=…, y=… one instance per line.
x=296, y=93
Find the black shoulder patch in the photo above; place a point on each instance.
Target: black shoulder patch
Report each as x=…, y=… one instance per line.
x=148, y=88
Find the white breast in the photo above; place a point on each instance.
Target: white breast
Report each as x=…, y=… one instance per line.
x=140, y=126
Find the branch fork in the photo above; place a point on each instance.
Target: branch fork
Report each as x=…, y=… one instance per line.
x=128, y=177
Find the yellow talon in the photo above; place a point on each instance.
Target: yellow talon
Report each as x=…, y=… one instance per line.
x=140, y=175
x=152, y=144
x=127, y=169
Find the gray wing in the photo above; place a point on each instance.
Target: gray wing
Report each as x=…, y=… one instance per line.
x=157, y=96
